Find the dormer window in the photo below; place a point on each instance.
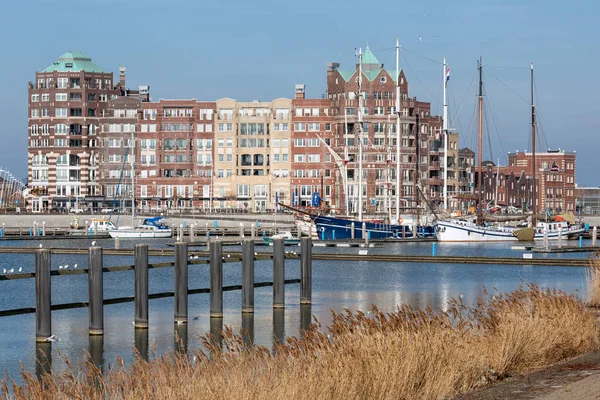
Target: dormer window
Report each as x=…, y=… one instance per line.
x=69, y=65
x=383, y=79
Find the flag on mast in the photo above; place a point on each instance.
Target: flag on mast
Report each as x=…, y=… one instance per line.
x=447, y=74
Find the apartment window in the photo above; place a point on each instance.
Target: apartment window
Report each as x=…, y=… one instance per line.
x=299, y=127
x=299, y=142
x=60, y=129
x=284, y=157
x=243, y=190
x=35, y=113
x=349, y=111
x=45, y=112
x=62, y=83
x=284, y=143
x=35, y=97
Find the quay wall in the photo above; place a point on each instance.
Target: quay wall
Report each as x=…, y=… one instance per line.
x=224, y=220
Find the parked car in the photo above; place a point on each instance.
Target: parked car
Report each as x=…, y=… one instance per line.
x=76, y=210
x=107, y=210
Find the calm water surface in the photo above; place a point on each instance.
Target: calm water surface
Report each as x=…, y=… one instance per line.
x=336, y=285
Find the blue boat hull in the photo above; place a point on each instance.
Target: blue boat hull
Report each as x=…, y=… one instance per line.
x=332, y=228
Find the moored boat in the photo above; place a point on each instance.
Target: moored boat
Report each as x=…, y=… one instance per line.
x=286, y=236
x=149, y=229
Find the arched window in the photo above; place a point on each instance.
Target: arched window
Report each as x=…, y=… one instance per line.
x=35, y=129
x=62, y=160
x=92, y=129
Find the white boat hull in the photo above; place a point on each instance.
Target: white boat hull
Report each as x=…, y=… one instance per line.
x=137, y=234
x=460, y=231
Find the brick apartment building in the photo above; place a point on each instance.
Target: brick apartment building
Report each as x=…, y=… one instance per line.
x=231, y=154
x=314, y=167
x=555, y=182
x=175, y=154
x=421, y=139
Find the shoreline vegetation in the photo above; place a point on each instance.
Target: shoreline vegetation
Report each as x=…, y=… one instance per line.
x=407, y=354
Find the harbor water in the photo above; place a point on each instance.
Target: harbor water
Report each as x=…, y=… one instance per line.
x=336, y=285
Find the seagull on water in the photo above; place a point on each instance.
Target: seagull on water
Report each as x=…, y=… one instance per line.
x=10, y=271
x=75, y=266
x=20, y=269
x=66, y=266
x=41, y=246
x=4, y=271
x=94, y=243
x=196, y=257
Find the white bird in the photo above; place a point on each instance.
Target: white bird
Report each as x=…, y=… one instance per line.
x=94, y=243
x=66, y=266
x=40, y=245
x=4, y=271
x=196, y=257
x=51, y=339
x=255, y=253
x=10, y=271
x=228, y=255
x=75, y=266
x=20, y=269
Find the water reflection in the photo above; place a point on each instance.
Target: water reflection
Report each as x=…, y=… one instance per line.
x=216, y=331
x=247, y=330
x=278, y=326
x=305, y=317
x=181, y=338
x=97, y=350
x=141, y=342
x=43, y=358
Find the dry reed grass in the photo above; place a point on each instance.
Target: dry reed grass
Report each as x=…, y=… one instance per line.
x=593, y=282
x=407, y=354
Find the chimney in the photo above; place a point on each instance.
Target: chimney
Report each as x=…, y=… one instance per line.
x=332, y=66
x=299, y=91
x=122, y=77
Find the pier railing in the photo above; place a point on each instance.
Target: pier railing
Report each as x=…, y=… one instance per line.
x=96, y=271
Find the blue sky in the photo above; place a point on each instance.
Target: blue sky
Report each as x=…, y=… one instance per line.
x=260, y=49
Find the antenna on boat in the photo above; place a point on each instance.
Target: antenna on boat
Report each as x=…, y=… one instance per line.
x=445, y=133
x=360, y=144
x=480, y=138
x=399, y=188
x=533, y=167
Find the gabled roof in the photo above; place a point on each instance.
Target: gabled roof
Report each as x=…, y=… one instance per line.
x=74, y=61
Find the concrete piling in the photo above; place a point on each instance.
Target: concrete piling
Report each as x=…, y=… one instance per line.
x=364, y=231
x=43, y=320
x=594, y=235
x=141, y=286
x=117, y=242
x=278, y=273
x=181, y=282
x=43, y=228
x=216, y=279
x=353, y=233
x=96, y=291
x=306, y=271
x=248, y=276
x=252, y=231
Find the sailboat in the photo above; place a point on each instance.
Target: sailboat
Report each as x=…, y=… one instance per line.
x=150, y=227
x=476, y=229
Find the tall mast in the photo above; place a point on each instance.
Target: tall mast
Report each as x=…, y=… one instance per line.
x=533, y=165
x=360, y=145
x=132, y=163
x=480, y=139
x=445, y=133
x=399, y=188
